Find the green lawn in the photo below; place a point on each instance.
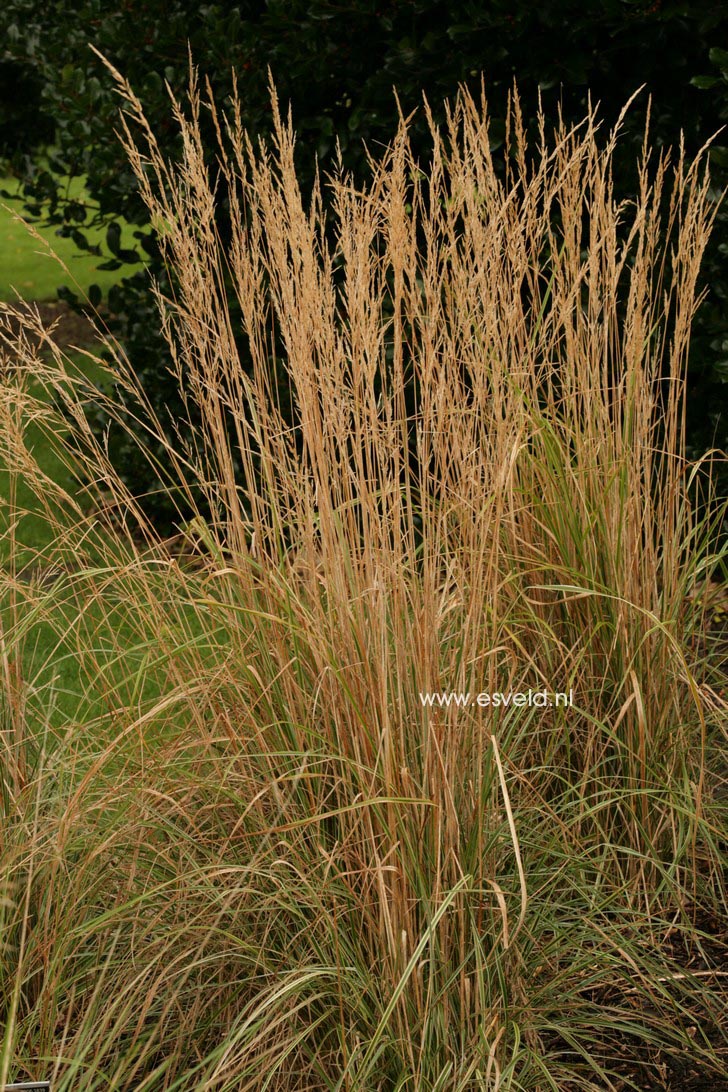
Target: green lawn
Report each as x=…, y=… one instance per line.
x=28, y=269
x=77, y=640
x=28, y=532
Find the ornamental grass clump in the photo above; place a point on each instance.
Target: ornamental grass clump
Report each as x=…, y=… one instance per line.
x=437, y=426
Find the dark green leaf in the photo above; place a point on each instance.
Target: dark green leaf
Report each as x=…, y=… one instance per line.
x=64, y=293
x=719, y=57
x=113, y=237
x=95, y=295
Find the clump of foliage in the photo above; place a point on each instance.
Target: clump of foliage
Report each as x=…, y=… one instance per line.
x=257, y=858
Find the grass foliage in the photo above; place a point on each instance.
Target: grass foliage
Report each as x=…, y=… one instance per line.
x=253, y=859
